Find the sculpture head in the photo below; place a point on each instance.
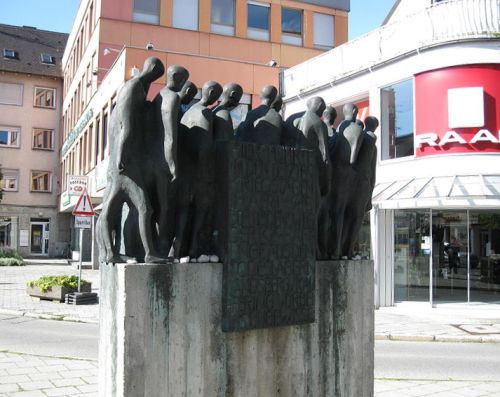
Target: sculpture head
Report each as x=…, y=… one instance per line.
x=268, y=95
x=316, y=105
x=278, y=103
x=371, y=123
x=350, y=111
x=231, y=95
x=210, y=92
x=188, y=92
x=329, y=115
x=176, y=77
x=153, y=68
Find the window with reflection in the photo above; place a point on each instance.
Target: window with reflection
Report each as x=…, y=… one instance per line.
x=412, y=250
x=43, y=139
x=147, y=11
x=258, y=20
x=9, y=181
x=9, y=136
x=291, y=26
x=484, y=235
x=41, y=181
x=397, y=128
x=45, y=97
x=223, y=16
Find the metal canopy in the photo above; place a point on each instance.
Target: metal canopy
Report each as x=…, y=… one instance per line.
x=437, y=192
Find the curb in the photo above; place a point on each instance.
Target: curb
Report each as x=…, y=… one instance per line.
x=439, y=338
x=43, y=316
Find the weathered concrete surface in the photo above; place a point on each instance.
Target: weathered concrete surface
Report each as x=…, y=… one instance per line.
x=160, y=335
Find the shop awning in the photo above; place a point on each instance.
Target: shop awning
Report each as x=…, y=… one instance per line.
x=457, y=191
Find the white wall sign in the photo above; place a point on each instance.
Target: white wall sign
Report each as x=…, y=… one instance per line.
x=83, y=222
x=77, y=184
x=465, y=107
x=24, y=238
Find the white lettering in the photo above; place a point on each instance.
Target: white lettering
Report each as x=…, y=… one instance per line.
x=452, y=137
x=429, y=139
x=484, y=136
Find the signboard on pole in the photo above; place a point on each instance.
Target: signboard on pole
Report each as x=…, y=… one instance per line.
x=83, y=222
x=83, y=206
x=77, y=184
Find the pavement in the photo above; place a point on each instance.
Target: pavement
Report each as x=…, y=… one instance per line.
x=33, y=376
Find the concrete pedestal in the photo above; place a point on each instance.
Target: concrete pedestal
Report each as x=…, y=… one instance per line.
x=160, y=335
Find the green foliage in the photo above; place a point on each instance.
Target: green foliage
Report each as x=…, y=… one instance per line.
x=11, y=262
x=9, y=253
x=45, y=283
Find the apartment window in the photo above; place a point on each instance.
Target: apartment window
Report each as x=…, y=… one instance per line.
x=397, y=120
x=43, y=138
x=10, y=179
x=291, y=26
x=223, y=17
x=147, y=11
x=48, y=59
x=9, y=136
x=45, y=97
x=258, y=20
x=10, y=54
x=11, y=94
x=104, y=134
x=323, y=32
x=41, y=181
x=89, y=146
x=185, y=14
x=97, y=138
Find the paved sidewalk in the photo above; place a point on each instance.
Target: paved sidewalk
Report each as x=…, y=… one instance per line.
x=435, y=388
x=457, y=322
x=460, y=322
x=23, y=375
x=14, y=299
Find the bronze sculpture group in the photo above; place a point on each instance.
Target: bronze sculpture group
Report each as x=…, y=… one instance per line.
x=163, y=166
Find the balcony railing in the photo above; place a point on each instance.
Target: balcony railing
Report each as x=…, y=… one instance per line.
x=444, y=22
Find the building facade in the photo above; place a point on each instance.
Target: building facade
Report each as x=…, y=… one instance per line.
x=30, y=117
x=241, y=41
x=430, y=75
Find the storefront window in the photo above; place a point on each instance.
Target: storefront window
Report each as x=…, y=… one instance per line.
x=484, y=230
x=412, y=248
x=397, y=120
x=465, y=253
x=449, y=256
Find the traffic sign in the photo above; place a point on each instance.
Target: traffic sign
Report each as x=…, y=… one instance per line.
x=83, y=222
x=84, y=205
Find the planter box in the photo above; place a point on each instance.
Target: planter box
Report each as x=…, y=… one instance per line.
x=56, y=293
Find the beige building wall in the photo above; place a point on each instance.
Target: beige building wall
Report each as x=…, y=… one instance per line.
x=23, y=206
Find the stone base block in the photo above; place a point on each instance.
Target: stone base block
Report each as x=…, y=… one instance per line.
x=160, y=335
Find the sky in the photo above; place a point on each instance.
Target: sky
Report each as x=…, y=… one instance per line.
x=58, y=15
